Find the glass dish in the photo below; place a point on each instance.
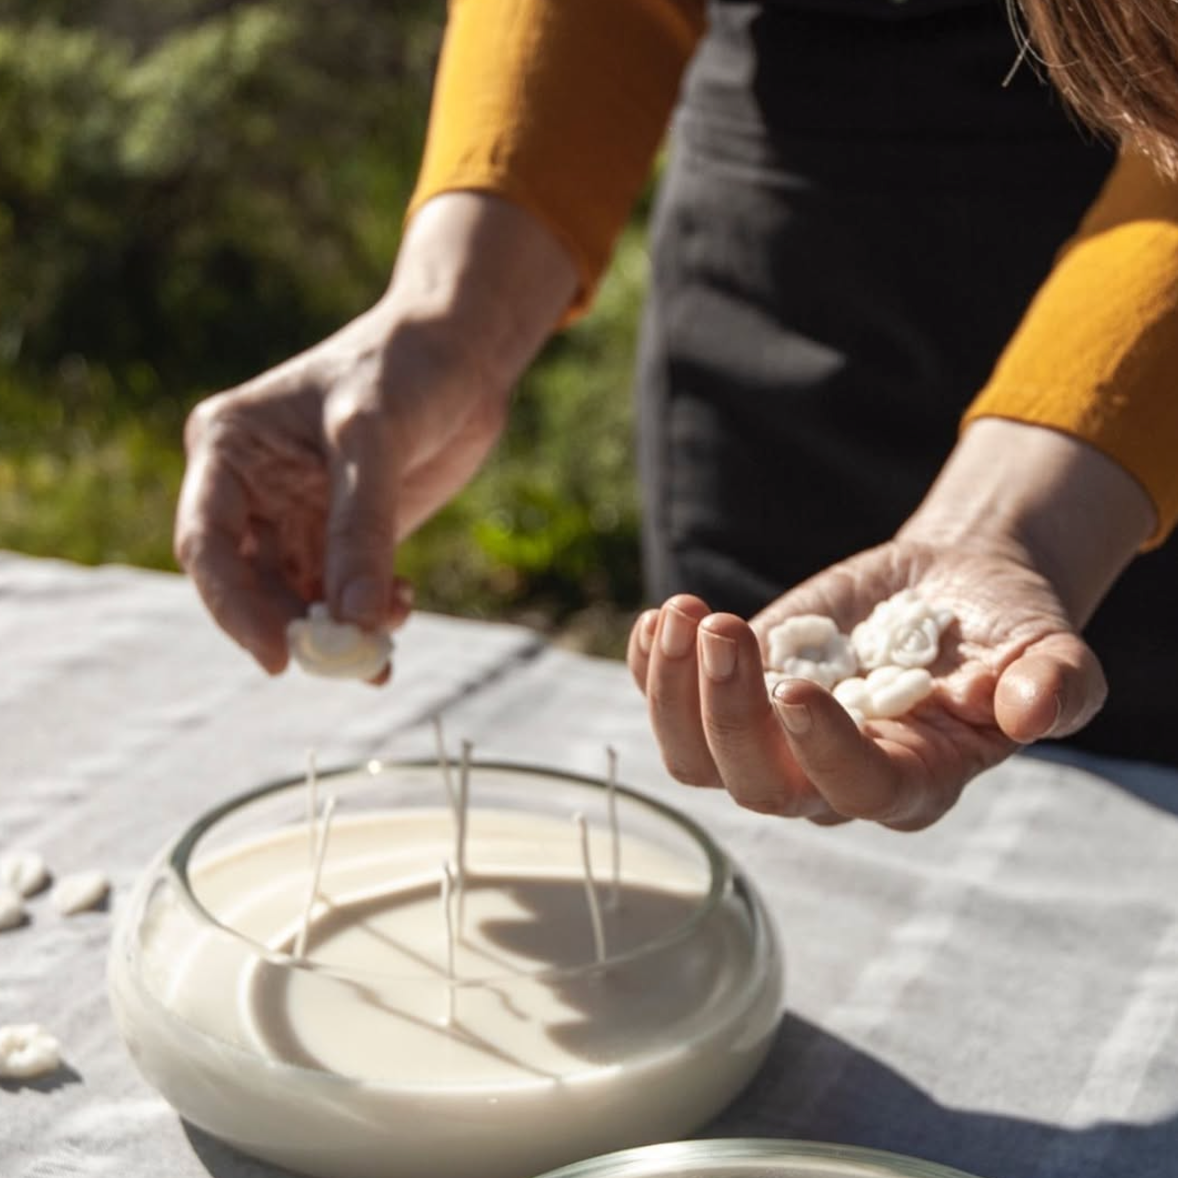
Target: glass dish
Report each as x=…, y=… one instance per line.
x=753, y=1157
x=390, y=1050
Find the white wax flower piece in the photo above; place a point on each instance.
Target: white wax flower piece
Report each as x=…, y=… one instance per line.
x=80, y=891
x=27, y=1050
x=904, y=630
x=23, y=871
x=811, y=647
x=337, y=650
x=884, y=694
x=12, y=908
x=853, y=693
x=901, y=694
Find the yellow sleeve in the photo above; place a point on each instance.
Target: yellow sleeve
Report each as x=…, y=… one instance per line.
x=559, y=106
x=1096, y=354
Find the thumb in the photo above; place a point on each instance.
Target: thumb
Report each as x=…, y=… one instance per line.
x=1052, y=689
x=361, y=520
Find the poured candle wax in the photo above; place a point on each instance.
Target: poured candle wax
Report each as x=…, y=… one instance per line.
x=351, y=1064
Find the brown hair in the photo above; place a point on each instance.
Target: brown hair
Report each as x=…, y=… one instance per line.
x=1116, y=63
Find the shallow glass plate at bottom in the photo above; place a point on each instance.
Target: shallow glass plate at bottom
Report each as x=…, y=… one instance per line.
x=752, y=1157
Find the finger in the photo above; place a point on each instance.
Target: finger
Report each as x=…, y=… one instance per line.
x=361, y=525
x=1053, y=689
x=672, y=693
x=211, y=533
x=400, y=603
x=639, y=646
x=742, y=730
x=855, y=774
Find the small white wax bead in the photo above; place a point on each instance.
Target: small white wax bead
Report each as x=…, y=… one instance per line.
x=23, y=871
x=904, y=629
x=26, y=1050
x=80, y=891
x=811, y=647
x=915, y=644
x=12, y=908
x=900, y=695
x=337, y=650
x=852, y=693
x=882, y=676
x=801, y=635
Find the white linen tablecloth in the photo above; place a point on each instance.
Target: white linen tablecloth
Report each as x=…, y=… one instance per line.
x=999, y=993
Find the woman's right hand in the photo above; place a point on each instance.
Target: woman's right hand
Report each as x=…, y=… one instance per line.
x=301, y=482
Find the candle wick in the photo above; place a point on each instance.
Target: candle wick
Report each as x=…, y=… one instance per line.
x=447, y=892
x=591, y=890
x=461, y=816
x=316, y=872
x=312, y=803
x=444, y=762
x=615, y=890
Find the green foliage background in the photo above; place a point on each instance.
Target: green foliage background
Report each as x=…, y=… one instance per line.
x=191, y=190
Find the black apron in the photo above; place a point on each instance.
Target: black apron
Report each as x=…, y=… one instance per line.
x=855, y=213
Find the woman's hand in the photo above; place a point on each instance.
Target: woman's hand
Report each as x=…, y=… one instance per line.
x=301, y=482
x=1020, y=538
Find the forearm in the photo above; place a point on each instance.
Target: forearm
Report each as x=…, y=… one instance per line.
x=559, y=106
x=1097, y=351
x=483, y=282
x=1048, y=499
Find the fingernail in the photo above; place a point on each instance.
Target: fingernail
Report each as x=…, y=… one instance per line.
x=646, y=628
x=362, y=602
x=1058, y=715
x=795, y=718
x=719, y=655
x=677, y=634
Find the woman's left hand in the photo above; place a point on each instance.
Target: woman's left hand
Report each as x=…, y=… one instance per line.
x=1020, y=537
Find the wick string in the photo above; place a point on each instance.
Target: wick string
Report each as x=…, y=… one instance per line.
x=615, y=890
x=444, y=762
x=591, y=890
x=447, y=892
x=316, y=872
x=461, y=816
x=312, y=804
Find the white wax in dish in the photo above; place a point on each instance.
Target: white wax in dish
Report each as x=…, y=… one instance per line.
x=349, y=1067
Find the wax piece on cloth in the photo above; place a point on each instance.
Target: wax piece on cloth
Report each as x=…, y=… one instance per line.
x=904, y=631
x=811, y=647
x=27, y=1050
x=12, y=908
x=23, y=871
x=79, y=891
x=338, y=650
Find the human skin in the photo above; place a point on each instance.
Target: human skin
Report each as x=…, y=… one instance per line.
x=1021, y=536
x=301, y=482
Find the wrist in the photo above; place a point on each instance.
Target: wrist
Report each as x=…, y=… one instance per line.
x=480, y=282
x=1042, y=498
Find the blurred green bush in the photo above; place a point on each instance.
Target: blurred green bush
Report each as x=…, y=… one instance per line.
x=191, y=190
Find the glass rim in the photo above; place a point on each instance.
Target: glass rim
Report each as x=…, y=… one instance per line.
x=719, y=867
x=634, y=1163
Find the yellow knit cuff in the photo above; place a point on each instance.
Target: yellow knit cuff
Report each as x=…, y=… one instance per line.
x=559, y=106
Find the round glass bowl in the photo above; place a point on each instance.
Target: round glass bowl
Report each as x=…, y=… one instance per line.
x=753, y=1157
x=513, y=1017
